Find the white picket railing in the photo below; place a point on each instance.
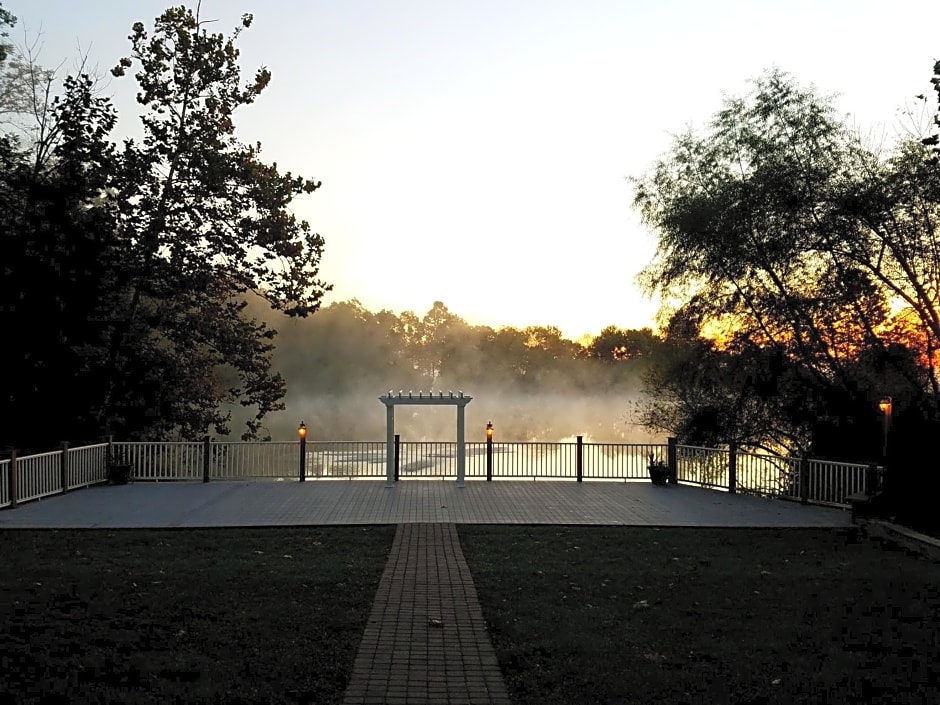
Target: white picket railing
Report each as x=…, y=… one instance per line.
x=87, y=465
x=39, y=475
x=767, y=475
x=343, y=460
x=830, y=482
x=5, y=467
x=248, y=461
x=44, y=474
x=702, y=466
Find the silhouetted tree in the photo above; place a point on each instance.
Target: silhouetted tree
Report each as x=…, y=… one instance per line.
x=135, y=263
x=778, y=230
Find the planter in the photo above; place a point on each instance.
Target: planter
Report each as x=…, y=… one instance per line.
x=659, y=473
x=119, y=474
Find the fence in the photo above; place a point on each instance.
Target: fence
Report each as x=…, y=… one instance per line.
x=37, y=476
x=814, y=481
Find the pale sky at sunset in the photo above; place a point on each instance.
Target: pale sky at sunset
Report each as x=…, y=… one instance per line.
x=476, y=152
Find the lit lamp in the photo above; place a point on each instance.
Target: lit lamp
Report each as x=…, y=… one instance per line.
x=302, y=432
x=886, y=407
x=489, y=430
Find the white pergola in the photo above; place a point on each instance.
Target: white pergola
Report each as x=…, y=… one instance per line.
x=424, y=399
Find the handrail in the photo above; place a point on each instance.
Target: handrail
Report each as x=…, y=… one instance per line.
x=813, y=481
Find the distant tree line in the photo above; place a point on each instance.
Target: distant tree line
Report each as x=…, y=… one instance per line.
x=338, y=362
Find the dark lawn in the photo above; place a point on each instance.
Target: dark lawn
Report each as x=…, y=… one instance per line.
x=644, y=615
x=191, y=616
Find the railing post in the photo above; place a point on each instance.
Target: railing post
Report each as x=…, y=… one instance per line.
x=397, y=454
x=579, y=459
x=64, y=467
x=804, y=479
x=672, y=459
x=14, y=489
x=871, y=479
x=732, y=467
x=489, y=452
x=206, y=458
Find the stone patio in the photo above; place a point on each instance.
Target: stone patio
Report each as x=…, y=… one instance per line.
x=188, y=504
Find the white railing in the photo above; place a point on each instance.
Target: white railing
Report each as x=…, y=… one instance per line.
x=345, y=460
x=160, y=461
x=525, y=460
x=831, y=482
x=815, y=481
x=38, y=475
x=619, y=461
x=87, y=465
x=530, y=460
x=5, y=466
x=767, y=475
x=702, y=466
x=250, y=461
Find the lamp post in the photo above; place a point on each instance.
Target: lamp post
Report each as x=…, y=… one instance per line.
x=302, y=432
x=886, y=406
x=489, y=451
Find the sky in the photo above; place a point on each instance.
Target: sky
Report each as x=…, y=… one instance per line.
x=479, y=152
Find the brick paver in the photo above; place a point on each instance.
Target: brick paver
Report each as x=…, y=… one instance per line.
x=426, y=641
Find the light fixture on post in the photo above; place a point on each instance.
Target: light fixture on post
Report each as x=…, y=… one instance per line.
x=489, y=451
x=302, y=432
x=886, y=406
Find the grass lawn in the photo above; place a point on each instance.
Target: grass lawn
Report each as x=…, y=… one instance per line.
x=189, y=616
x=642, y=615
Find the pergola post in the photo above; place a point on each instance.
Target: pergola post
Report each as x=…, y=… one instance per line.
x=421, y=399
x=389, y=445
x=461, y=448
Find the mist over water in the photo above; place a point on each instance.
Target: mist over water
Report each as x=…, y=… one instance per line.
x=532, y=384
x=600, y=418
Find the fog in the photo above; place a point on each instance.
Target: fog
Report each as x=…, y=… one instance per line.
x=532, y=384
x=533, y=417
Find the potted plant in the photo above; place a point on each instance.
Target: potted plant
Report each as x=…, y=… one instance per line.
x=119, y=467
x=659, y=471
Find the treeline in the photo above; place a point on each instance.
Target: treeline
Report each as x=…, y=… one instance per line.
x=532, y=383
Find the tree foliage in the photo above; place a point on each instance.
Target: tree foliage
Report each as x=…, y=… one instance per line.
x=136, y=262
x=809, y=258
x=7, y=20
x=934, y=139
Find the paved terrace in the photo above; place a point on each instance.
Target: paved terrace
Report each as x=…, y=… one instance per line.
x=317, y=503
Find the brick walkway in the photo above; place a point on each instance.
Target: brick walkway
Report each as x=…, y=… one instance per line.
x=426, y=641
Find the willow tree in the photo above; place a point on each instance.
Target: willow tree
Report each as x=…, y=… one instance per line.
x=777, y=228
